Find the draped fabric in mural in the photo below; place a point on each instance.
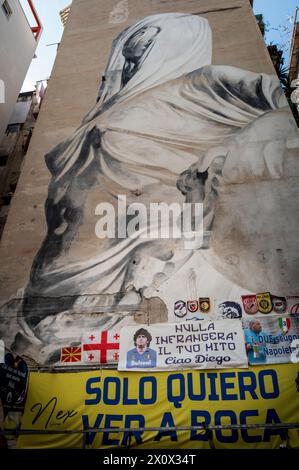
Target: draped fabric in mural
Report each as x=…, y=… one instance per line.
x=167, y=127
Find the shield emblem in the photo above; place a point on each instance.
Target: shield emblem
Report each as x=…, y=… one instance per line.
x=204, y=304
x=279, y=304
x=180, y=309
x=295, y=310
x=264, y=302
x=250, y=304
x=284, y=324
x=293, y=305
x=192, y=305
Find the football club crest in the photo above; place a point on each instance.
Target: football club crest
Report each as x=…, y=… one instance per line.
x=295, y=310
x=284, y=324
x=180, y=309
x=279, y=304
x=264, y=302
x=229, y=309
x=192, y=305
x=250, y=304
x=204, y=304
x=293, y=305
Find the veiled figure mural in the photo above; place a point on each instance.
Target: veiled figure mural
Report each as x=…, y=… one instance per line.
x=168, y=126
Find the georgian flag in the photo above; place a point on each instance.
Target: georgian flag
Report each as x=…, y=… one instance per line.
x=101, y=347
x=284, y=324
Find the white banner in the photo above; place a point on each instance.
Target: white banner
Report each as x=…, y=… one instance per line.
x=191, y=345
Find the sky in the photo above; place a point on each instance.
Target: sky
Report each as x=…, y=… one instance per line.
x=278, y=16
x=48, y=12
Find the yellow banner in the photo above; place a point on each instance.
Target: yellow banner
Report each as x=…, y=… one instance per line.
x=111, y=399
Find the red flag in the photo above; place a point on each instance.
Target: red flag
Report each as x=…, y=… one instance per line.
x=71, y=354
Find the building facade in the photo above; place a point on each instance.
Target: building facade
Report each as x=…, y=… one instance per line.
x=170, y=103
x=294, y=54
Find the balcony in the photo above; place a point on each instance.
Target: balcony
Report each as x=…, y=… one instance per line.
x=32, y=18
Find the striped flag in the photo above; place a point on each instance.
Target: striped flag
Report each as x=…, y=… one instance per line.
x=284, y=324
x=71, y=354
x=101, y=347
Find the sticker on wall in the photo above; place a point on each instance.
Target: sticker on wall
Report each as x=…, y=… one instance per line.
x=70, y=354
x=293, y=305
x=295, y=310
x=14, y=375
x=295, y=357
x=229, y=309
x=250, y=304
x=284, y=324
x=279, y=304
x=264, y=302
x=204, y=304
x=180, y=309
x=192, y=305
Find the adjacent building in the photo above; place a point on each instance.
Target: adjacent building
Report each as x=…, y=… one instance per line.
x=18, y=42
x=15, y=143
x=294, y=52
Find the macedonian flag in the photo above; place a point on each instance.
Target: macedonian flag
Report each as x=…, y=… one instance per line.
x=71, y=354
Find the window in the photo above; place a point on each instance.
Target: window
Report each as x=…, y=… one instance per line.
x=6, y=199
x=13, y=187
x=12, y=128
x=6, y=8
x=3, y=160
x=24, y=97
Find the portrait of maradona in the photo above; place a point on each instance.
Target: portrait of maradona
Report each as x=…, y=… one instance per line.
x=167, y=126
x=141, y=356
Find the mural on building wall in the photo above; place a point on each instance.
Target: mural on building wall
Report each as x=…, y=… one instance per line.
x=168, y=126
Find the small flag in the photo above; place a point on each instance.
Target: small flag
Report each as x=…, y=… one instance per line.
x=284, y=324
x=71, y=354
x=101, y=347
